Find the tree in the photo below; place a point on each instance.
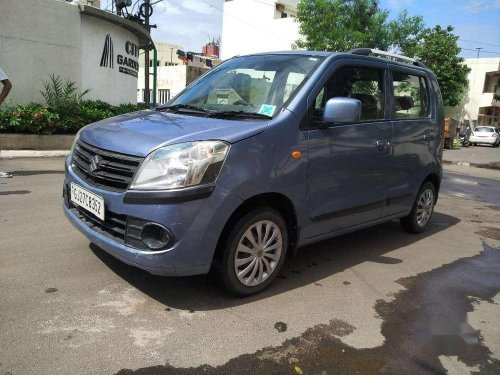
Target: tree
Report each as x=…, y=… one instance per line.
x=405, y=31
x=340, y=25
x=438, y=50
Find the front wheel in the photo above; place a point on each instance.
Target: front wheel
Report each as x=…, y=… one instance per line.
x=422, y=210
x=253, y=252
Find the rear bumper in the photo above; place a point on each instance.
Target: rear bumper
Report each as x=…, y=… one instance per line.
x=196, y=225
x=485, y=140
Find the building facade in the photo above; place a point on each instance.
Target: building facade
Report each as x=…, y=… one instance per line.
x=175, y=69
x=95, y=49
x=481, y=103
x=250, y=26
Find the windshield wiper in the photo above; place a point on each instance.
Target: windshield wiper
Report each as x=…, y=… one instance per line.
x=176, y=107
x=241, y=114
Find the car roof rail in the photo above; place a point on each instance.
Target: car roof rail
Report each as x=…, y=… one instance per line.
x=387, y=55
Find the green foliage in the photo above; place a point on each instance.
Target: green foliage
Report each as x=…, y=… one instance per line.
x=62, y=95
x=65, y=113
x=438, y=50
x=35, y=118
x=340, y=25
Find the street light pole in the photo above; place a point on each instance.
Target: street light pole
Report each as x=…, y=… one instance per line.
x=146, y=54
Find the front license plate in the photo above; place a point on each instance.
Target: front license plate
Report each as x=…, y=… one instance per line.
x=91, y=202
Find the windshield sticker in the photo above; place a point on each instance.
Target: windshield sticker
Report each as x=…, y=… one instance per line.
x=267, y=109
x=313, y=59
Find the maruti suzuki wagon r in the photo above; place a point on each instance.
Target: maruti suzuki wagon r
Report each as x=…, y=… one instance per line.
x=260, y=156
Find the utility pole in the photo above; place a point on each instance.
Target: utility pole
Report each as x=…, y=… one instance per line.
x=478, y=51
x=147, y=99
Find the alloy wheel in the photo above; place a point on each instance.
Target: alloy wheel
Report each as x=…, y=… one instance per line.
x=425, y=207
x=258, y=252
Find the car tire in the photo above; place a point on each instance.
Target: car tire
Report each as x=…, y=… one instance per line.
x=422, y=209
x=247, y=267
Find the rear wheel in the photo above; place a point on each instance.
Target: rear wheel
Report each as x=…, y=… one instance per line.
x=422, y=210
x=253, y=252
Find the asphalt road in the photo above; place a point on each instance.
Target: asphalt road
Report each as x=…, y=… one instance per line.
x=378, y=300
x=483, y=154
x=471, y=187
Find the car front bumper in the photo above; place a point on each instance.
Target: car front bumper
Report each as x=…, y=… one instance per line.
x=195, y=223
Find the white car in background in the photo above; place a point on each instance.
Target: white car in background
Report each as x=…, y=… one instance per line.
x=486, y=135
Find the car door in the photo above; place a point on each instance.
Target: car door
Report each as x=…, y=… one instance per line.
x=348, y=162
x=414, y=131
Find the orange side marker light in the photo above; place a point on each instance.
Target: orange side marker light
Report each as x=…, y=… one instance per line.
x=296, y=154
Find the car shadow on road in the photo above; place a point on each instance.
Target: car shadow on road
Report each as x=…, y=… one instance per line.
x=311, y=264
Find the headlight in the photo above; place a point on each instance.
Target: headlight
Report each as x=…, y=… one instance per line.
x=181, y=165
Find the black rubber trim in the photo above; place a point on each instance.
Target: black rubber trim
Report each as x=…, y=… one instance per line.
x=168, y=196
x=349, y=211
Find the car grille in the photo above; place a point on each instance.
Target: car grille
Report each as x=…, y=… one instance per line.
x=115, y=171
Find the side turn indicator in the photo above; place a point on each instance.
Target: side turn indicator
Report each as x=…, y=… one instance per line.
x=296, y=154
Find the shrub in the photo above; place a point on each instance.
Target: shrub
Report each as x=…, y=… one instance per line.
x=62, y=96
x=65, y=113
x=35, y=118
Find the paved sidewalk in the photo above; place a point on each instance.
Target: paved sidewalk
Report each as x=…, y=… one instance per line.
x=478, y=156
x=10, y=154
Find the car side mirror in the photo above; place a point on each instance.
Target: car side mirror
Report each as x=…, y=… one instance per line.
x=342, y=110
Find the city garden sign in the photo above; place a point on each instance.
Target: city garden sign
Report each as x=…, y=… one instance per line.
x=126, y=64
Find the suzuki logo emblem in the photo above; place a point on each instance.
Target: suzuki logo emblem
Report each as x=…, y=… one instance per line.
x=94, y=164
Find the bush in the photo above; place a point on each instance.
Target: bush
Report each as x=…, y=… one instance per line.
x=36, y=118
x=62, y=96
x=65, y=113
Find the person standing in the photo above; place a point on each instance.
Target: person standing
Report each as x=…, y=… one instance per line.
x=5, y=91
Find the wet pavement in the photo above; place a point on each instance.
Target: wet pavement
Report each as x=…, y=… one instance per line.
x=468, y=187
x=425, y=321
x=375, y=301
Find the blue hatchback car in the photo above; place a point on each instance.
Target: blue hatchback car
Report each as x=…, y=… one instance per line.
x=258, y=157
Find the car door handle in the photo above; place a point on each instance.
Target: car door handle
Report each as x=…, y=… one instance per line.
x=428, y=136
x=381, y=144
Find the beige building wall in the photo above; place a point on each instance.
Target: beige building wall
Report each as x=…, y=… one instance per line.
x=43, y=37
x=166, y=54
x=171, y=78
x=478, y=104
x=250, y=26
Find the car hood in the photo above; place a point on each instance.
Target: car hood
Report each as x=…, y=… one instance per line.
x=139, y=133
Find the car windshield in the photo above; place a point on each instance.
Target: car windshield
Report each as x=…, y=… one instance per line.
x=484, y=130
x=256, y=86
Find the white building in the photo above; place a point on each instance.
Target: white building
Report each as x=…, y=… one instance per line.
x=174, y=72
x=95, y=49
x=481, y=102
x=250, y=26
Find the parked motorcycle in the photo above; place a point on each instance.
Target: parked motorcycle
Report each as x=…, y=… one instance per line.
x=464, y=140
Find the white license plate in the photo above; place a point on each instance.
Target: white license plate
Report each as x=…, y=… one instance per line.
x=91, y=202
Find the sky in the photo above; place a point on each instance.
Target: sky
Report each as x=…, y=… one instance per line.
x=191, y=23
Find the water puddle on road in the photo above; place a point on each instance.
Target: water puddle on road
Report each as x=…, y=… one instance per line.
x=426, y=320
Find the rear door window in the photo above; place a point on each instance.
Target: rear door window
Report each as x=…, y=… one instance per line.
x=411, y=96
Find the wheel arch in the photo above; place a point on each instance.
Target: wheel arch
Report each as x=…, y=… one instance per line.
x=435, y=180
x=277, y=201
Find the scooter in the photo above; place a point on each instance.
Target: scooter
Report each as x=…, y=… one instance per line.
x=464, y=140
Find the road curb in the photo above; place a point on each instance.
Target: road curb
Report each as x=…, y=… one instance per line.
x=495, y=166
x=11, y=154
